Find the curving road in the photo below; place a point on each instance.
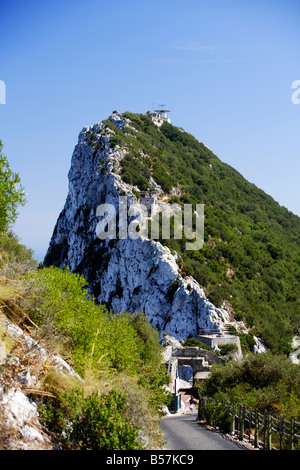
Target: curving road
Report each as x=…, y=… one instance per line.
x=182, y=432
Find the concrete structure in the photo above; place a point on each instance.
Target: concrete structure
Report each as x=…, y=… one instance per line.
x=159, y=116
x=214, y=340
x=198, y=360
x=149, y=200
x=188, y=365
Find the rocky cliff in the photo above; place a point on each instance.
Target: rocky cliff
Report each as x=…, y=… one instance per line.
x=24, y=364
x=125, y=273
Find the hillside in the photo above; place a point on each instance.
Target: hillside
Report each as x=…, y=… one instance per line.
x=59, y=348
x=71, y=375
x=249, y=263
x=252, y=252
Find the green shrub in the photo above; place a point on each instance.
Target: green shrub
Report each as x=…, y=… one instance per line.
x=172, y=289
x=264, y=382
x=209, y=413
x=90, y=422
x=109, y=351
x=228, y=349
x=134, y=171
x=60, y=305
x=195, y=342
x=247, y=342
x=15, y=258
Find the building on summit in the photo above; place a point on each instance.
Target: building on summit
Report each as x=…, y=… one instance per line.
x=159, y=116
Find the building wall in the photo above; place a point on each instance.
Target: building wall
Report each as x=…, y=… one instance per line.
x=214, y=340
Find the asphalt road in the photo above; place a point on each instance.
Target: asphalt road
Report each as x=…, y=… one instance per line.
x=182, y=432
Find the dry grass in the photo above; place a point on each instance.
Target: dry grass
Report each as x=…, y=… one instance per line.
x=8, y=289
x=140, y=412
x=55, y=383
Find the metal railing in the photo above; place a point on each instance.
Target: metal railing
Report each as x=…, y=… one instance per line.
x=262, y=430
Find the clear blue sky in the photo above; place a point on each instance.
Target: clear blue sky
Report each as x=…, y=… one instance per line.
x=223, y=68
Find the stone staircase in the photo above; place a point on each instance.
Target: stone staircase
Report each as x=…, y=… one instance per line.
x=227, y=328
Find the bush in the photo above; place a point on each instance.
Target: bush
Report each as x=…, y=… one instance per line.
x=91, y=422
x=195, y=342
x=215, y=415
x=134, y=171
x=263, y=381
x=247, y=342
x=60, y=306
x=228, y=349
x=15, y=258
x=109, y=351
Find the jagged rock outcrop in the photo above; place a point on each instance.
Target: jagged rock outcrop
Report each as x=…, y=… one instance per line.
x=125, y=274
x=23, y=365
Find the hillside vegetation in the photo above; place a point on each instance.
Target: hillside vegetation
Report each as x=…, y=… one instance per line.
x=119, y=398
x=251, y=255
x=250, y=259
x=261, y=382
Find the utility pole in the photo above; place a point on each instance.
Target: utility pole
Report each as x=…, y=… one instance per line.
x=175, y=407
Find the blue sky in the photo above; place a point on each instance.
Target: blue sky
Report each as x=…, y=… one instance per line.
x=224, y=68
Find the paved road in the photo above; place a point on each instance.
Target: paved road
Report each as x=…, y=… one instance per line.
x=182, y=432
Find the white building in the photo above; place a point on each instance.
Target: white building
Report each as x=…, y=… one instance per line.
x=159, y=116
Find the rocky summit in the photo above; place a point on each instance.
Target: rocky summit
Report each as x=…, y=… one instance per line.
x=126, y=273
x=156, y=222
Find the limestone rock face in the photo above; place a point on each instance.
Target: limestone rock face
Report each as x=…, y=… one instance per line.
x=24, y=363
x=125, y=274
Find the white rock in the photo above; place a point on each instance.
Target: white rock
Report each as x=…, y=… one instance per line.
x=19, y=414
x=259, y=347
x=295, y=355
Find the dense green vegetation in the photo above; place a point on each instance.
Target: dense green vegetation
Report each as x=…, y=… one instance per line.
x=262, y=382
x=97, y=422
x=118, y=399
x=119, y=355
x=251, y=255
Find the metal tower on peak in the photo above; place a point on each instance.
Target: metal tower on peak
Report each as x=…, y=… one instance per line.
x=158, y=116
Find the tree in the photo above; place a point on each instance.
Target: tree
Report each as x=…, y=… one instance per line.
x=11, y=193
